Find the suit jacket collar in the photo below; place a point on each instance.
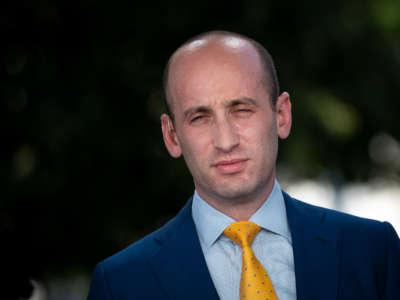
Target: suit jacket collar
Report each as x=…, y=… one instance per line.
x=316, y=247
x=179, y=264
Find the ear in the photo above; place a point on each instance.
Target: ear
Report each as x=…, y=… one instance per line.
x=283, y=115
x=169, y=135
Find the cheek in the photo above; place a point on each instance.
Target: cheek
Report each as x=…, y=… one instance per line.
x=195, y=146
x=256, y=133
x=261, y=139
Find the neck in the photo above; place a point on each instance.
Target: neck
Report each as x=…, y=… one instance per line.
x=243, y=207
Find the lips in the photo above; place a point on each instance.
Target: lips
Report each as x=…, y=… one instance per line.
x=229, y=167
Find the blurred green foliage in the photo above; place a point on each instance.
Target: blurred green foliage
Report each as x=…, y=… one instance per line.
x=84, y=171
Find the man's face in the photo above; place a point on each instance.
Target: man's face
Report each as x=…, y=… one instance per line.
x=224, y=123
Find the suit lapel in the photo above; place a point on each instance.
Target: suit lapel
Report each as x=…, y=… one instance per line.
x=179, y=264
x=316, y=251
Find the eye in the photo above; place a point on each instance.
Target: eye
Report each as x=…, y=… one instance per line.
x=197, y=118
x=243, y=111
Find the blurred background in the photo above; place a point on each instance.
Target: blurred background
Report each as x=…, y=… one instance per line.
x=83, y=170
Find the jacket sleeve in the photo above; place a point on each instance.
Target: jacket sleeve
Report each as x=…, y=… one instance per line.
x=393, y=263
x=99, y=288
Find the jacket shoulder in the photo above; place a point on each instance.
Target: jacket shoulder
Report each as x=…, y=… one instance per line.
x=143, y=249
x=342, y=221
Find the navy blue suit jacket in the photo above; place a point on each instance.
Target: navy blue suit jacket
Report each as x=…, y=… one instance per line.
x=336, y=256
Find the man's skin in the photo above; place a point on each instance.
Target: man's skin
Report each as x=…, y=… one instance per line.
x=224, y=123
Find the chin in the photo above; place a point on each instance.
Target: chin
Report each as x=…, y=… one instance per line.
x=235, y=192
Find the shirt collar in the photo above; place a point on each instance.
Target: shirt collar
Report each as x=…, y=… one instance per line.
x=270, y=216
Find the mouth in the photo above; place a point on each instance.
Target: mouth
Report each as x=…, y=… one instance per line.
x=229, y=167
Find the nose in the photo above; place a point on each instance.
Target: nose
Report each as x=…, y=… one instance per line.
x=226, y=137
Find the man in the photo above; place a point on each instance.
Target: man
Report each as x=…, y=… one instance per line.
x=225, y=118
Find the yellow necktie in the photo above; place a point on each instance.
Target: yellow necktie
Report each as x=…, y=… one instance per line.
x=254, y=282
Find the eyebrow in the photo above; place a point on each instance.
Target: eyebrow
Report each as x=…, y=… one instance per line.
x=231, y=103
x=242, y=101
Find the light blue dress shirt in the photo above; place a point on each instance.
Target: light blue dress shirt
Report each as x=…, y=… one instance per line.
x=272, y=246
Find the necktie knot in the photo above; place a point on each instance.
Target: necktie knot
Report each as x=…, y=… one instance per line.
x=242, y=232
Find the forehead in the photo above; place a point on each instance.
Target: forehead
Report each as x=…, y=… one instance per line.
x=226, y=68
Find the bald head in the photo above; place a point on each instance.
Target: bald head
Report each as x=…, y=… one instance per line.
x=216, y=49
